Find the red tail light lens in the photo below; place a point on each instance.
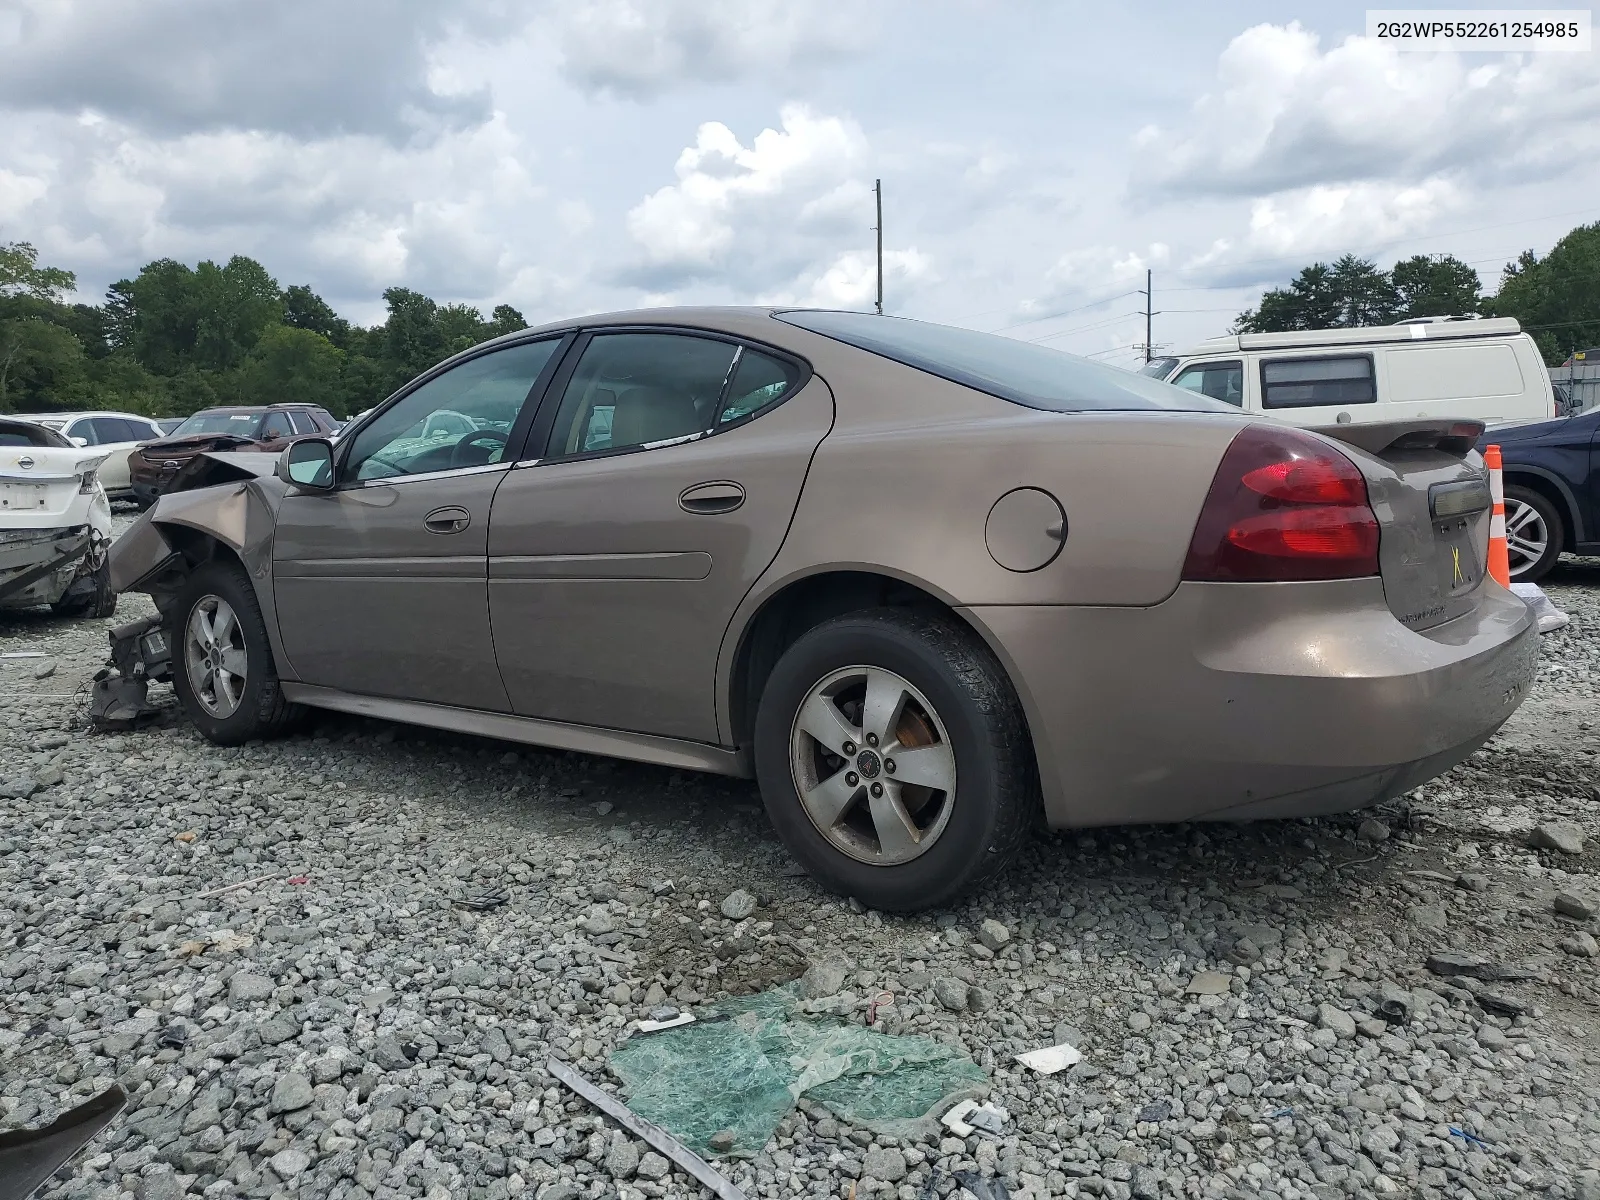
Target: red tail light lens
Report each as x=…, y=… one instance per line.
x=1284, y=506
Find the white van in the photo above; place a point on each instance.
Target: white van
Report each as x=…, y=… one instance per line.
x=1479, y=368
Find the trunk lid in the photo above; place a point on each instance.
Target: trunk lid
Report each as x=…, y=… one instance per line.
x=1430, y=491
x=40, y=485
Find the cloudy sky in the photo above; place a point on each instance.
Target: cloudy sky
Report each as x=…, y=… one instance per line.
x=577, y=155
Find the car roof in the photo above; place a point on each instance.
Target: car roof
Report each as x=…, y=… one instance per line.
x=1406, y=331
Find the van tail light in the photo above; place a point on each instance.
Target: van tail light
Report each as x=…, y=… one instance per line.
x=1284, y=505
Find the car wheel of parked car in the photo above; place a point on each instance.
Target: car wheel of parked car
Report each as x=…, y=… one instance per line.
x=100, y=603
x=225, y=675
x=894, y=759
x=1534, y=534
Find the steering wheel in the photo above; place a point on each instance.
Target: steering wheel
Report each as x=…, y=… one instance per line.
x=495, y=438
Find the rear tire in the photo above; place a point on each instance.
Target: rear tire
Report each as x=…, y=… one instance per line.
x=950, y=714
x=98, y=604
x=222, y=667
x=1536, y=523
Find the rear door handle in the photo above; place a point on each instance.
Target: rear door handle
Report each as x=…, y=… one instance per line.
x=450, y=519
x=708, y=499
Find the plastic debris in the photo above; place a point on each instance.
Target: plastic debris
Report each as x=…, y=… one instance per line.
x=1155, y=1112
x=648, y=1130
x=979, y=1188
x=654, y=1026
x=1470, y=1138
x=969, y=1117
x=1051, y=1059
x=186, y=836
x=1280, y=1112
x=1546, y=613
x=297, y=879
x=232, y=887
x=881, y=1000
x=173, y=1037
x=481, y=903
x=742, y=1067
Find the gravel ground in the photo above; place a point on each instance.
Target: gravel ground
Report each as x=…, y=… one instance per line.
x=345, y=1026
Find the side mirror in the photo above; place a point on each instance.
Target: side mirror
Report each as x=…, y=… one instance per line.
x=307, y=465
x=79, y=441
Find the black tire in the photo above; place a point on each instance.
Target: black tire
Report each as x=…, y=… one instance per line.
x=262, y=711
x=95, y=605
x=1532, y=572
x=996, y=796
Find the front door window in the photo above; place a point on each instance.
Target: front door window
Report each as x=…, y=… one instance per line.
x=461, y=418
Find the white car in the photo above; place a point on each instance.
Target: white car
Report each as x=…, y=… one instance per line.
x=115, y=433
x=55, y=523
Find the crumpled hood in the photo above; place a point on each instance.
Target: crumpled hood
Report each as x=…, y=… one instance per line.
x=194, y=443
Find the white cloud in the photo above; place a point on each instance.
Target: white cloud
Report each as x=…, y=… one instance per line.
x=765, y=219
x=1288, y=115
x=458, y=217
x=300, y=66
x=640, y=47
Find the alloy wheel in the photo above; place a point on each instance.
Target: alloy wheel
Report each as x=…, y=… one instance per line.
x=873, y=765
x=214, y=654
x=1527, y=535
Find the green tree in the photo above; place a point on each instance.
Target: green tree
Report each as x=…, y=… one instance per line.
x=22, y=276
x=505, y=319
x=304, y=309
x=1557, y=297
x=41, y=366
x=1438, y=285
x=291, y=364
x=412, y=338
x=236, y=304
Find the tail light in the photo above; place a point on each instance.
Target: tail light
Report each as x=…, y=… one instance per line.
x=1284, y=506
x=86, y=482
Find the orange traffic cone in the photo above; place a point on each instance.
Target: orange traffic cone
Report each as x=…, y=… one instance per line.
x=1499, y=560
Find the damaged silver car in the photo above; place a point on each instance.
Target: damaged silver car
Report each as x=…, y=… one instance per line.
x=55, y=523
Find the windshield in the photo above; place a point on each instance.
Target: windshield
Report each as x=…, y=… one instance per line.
x=243, y=424
x=1021, y=372
x=1158, y=368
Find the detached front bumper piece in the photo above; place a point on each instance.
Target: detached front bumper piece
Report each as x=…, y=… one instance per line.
x=37, y=566
x=1242, y=700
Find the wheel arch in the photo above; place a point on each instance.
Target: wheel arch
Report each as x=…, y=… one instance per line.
x=790, y=607
x=1554, y=489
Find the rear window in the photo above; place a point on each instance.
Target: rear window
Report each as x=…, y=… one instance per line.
x=24, y=433
x=1021, y=372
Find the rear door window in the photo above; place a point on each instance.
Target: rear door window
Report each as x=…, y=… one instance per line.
x=638, y=389
x=1313, y=382
x=275, y=425
x=303, y=422
x=1220, y=380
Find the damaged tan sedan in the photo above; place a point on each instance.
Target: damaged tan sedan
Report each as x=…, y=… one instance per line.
x=922, y=583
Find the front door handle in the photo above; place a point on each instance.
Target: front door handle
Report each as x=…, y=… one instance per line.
x=450, y=519
x=708, y=499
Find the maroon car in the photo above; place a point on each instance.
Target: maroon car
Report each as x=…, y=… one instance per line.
x=154, y=465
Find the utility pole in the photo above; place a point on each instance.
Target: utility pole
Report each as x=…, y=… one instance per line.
x=877, y=192
x=1148, y=305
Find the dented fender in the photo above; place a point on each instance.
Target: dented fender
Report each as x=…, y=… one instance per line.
x=226, y=497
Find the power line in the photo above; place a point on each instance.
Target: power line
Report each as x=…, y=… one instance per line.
x=1045, y=337
x=1066, y=312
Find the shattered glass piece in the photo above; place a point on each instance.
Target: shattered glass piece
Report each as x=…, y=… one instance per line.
x=746, y=1071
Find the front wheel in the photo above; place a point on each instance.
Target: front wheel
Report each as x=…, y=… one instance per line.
x=1534, y=534
x=894, y=758
x=223, y=669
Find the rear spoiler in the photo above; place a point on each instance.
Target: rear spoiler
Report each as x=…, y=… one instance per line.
x=1454, y=437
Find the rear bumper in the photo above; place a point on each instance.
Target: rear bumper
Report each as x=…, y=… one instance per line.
x=38, y=566
x=1255, y=700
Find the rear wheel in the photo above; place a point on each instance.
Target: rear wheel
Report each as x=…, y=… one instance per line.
x=894, y=759
x=1534, y=534
x=223, y=670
